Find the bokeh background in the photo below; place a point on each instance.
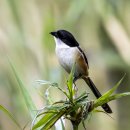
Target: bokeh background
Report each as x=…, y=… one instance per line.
x=102, y=27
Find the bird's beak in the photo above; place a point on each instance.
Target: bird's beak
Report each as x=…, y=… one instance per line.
x=54, y=34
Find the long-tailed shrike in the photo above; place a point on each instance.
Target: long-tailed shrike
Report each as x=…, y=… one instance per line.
x=69, y=53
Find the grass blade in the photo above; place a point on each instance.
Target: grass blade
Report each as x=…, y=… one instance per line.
x=55, y=85
x=43, y=120
x=120, y=95
x=105, y=97
x=70, y=84
x=10, y=115
x=110, y=98
x=52, y=121
x=114, y=88
x=28, y=100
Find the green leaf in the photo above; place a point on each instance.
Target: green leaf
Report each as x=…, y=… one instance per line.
x=44, y=82
x=43, y=120
x=52, y=111
x=55, y=85
x=117, y=96
x=114, y=88
x=28, y=100
x=70, y=84
x=105, y=97
x=52, y=121
x=10, y=115
x=83, y=97
x=110, y=98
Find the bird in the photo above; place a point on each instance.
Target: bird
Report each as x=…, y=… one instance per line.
x=69, y=53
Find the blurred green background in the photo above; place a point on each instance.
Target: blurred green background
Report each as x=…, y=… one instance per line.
x=102, y=27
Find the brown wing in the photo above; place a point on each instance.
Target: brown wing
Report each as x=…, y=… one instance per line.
x=81, y=66
x=84, y=56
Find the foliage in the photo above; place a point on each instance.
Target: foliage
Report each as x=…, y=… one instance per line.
x=10, y=115
x=74, y=109
x=29, y=103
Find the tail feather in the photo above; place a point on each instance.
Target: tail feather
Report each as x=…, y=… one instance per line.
x=96, y=92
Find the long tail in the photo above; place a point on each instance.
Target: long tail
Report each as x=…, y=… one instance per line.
x=97, y=93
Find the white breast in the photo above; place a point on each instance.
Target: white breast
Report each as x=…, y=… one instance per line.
x=66, y=55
